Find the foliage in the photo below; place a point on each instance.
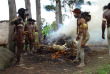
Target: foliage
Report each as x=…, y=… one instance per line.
x=104, y=69
x=46, y=29
x=53, y=26
x=70, y=2
x=49, y=28
x=50, y=8
x=88, y=2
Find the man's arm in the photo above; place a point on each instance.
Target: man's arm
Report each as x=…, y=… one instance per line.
x=103, y=27
x=78, y=22
x=85, y=27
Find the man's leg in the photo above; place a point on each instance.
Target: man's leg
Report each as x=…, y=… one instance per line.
x=108, y=37
x=18, y=53
x=26, y=43
x=82, y=52
x=78, y=50
x=82, y=58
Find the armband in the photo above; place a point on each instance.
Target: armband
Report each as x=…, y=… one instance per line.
x=104, y=19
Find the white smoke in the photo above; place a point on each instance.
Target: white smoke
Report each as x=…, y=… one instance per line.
x=94, y=26
x=68, y=30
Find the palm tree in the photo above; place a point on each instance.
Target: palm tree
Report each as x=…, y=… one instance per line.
x=12, y=15
x=28, y=6
x=38, y=20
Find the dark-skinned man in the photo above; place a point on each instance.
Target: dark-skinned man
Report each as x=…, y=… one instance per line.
x=82, y=34
x=106, y=21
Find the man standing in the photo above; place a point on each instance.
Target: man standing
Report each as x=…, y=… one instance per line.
x=82, y=34
x=106, y=20
x=29, y=36
x=19, y=31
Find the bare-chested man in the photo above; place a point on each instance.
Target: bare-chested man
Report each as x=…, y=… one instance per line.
x=82, y=34
x=19, y=31
x=106, y=20
x=29, y=36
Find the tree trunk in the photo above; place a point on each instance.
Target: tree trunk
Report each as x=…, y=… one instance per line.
x=38, y=19
x=28, y=6
x=58, y=14
x=12, y=15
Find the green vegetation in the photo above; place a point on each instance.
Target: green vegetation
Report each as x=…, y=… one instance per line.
x=50, y=8
x=104, y=69
x=88, y=2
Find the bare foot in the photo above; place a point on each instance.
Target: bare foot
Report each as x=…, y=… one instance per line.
x=80, y=65
x=19, y=64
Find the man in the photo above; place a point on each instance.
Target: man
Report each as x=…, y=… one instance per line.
x=19, y=31
x=23, y=13
x=82, y=34
x=106, y=20
x=29, y=37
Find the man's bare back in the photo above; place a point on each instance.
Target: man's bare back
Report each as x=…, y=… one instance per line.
x=106, y=15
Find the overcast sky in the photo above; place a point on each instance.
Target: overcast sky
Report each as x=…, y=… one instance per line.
x=49, y=16
x=4, y=10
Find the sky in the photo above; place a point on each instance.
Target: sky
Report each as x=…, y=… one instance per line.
x=4, y=14
x=49, y=16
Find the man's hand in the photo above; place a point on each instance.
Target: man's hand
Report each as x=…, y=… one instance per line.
x=103, y=36
x=25, y=32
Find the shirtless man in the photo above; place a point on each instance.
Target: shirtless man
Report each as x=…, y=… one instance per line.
x=29, y=36
x=82, y=34
x=19, y=31
x=106, y=20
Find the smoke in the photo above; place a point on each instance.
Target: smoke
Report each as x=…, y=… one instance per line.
x=94, y=26
x=64, y=30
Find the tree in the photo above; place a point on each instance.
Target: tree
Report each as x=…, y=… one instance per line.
x=78, y=3
x=58, y=13
x=53, y=26
x=28, y=6
x=38, y=19
x=12, y=15
x=50, y=7
x=88, y=2
x=57, y=10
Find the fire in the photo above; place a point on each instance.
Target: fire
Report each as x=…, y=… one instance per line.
x=60, y=54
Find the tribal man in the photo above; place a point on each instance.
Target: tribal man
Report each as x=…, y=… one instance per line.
x=106, y=20
x=82, y=34
x=29, y=37
x=19, y=31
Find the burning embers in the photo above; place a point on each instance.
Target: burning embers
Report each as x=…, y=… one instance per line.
x=64, y=55
x=65, y=50
x=61, y=49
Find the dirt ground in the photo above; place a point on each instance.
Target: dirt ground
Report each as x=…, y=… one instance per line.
x=42, y=63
